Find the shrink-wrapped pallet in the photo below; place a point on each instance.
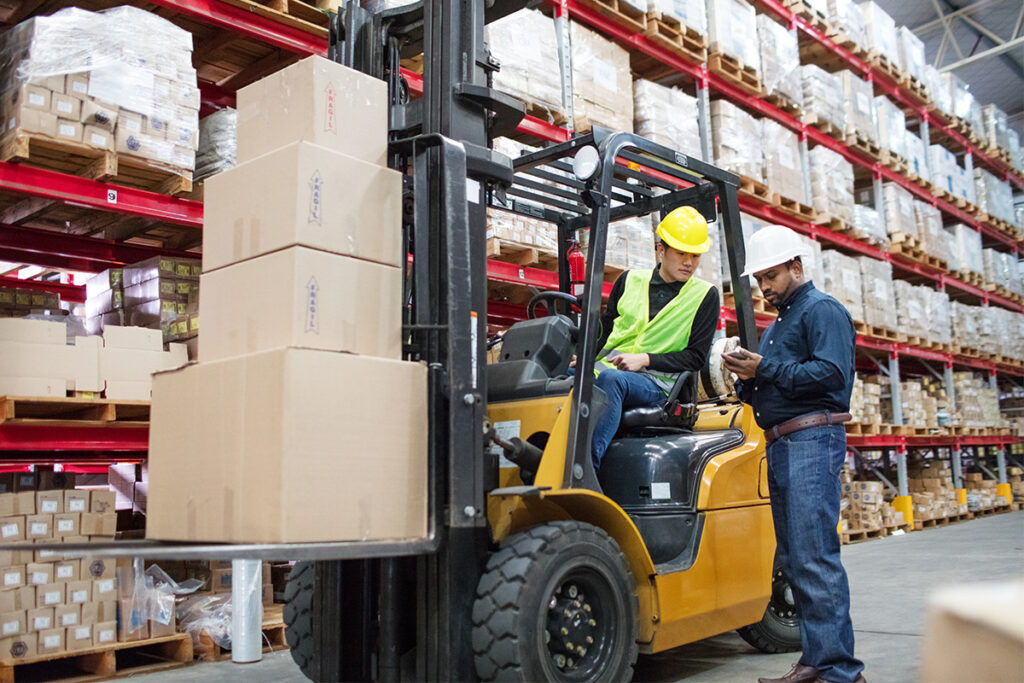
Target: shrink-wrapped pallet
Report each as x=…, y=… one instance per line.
x=667, y=116
x=780, y=59
x=1013, y=147
x=912, y=54
x=601, y=80
x=996, y=267
x=86, y=78
x=690, y=13
x=823, y=96
x=848, y=17
x=965, y=249
x=996, y=126
x=917, y=153
x=933, y=239
x=631, y=244
x=899, y=211
x=732, y=30
x=881, y=32
x=937, y=85
x=878, y=294
x=965, y=105
x=964, y=184
x=964, y=323
x=870, y=225
x=937, y=316
x=858, y=99
x=841, y=278
x=831, y=184
x=525, y=45
x=943, y=168
x=911, y=308
x=993, y=196
x=783, y=172
x=522, y=230
x=732, y=133
x=217, y=143
x=990, y=329
x=892, y=126
x=710, y=266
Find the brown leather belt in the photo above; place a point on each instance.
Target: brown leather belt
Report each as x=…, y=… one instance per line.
x=804, y=422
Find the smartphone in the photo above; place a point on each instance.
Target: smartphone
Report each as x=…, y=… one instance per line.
x=738, y=354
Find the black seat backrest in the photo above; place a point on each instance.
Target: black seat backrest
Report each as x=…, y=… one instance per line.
x=534, y=354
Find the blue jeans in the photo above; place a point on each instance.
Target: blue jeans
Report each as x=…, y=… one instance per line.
x=803, y=480
x=624, y=390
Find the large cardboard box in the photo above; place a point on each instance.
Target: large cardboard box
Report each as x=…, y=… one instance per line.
x=307, y=195
x=301, y=297
x=289, y=445
x=318, y=101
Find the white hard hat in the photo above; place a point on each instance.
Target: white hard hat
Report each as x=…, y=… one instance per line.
x=771, y=246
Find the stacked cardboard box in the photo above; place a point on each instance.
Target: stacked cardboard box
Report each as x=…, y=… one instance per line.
x=831, y=184
x=86, y=78
x=732, y=30
x=526, y=45
x=162, y=293
x=917, y=154
x=911, y=307
x=892, y=126
x=601, y=80
x=16, y=302
x=217, y=134
x=930, y=233
x=667, y=116
x=878, y=294
x=870, y=224
x=939, y=316
x=996, y=126
x=823, y=96
x=942, y=168
x=630, y=244
x=965, y=105
x=930, y=483
x=866, y=509
x=842, y=280
x=975, y=402
x=937, y=86
x=881, y=32
x=898, y=205
x=524, y=230
x=783, y=167
x=866, y=399
x=732, y=129
x=981, y=492
x=308, y=228
x=993, y=196
x=780, y=60
x=965, y=249
x=104, y=302
x=859, y=103
x=1016, y=483
x=919, y=409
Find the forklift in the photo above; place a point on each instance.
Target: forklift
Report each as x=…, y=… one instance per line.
x=537, y=567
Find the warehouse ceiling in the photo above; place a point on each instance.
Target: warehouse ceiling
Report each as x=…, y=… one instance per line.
x=981, y=41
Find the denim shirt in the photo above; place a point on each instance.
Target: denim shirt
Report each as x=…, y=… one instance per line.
x=808, y=363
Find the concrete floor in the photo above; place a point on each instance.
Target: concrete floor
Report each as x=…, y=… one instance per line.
x=890, y=581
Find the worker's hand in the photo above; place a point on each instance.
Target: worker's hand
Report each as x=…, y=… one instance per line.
x=631, y=362
x=746, y=367
x=572, y=363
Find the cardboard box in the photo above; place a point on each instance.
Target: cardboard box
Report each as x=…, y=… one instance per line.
x=131, y=622
x=67, y=615
x=18, y=599
x=39, y=527
x=50, y=594
x=50, y=480
x=39, y=573
x=319, y=101
x=67, y=524
x=28, y=97
x=301, y=297
x=67, y=571
x=40, y=619
x=49, y=502
x=157, y=630
x=27, y=481
x=69, y=130
x=12, y=529
x=77, y=84
x=9, y=558
x=98, y=567
x=105, y=632
x=220, y=580
x=98, y=612
x=101, y=501
x=79, y=637
x=76, y=501
x=302, y=195
x=31, y=121
x=243, y=423
x=97, y=137
x=18, y=648
x=104, y=589
x=96, y=524
x=66, y=106
x=79, y=591
x=51, y=641
x=13, y=623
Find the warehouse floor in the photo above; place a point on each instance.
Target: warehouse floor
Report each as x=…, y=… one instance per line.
x=890, y=579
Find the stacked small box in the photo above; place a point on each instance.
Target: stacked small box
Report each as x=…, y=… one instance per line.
x=630, y=244
x=667, y=116
x=931, y=485
x=996, y=126
x=965, y=249
x=823, y=97
x=870, y=225
x=160, y=291
x=732, y=31
x=842, y=280
x=831, y=184
x=104, y=302
x=302, y=303
x=981, y=492
x=859, y=104
x=993, y=196
x=690, y=13
x=881, y=31
x=969, y=395
x=932, y=238
x=943, y=169
x=526, y=45
x=938, y=324
x=864, y=505
x=917, y=155
x=866, y=401
x=38, y=361
x=732, y=129
x=919, y=409
x=937, y=85
x=892, y=126
x=900, y=221
x=911, y=308
x=783, y=170
x=601, y=80
x=878, y=294
x=965, y=105
x=780, y=60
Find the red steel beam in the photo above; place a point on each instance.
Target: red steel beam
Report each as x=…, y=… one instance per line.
x=36, y=245
x=72, y=293
x=36, y=438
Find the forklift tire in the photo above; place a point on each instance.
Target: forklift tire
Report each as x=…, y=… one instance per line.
x=779, y=628
x=556, y=603
x=298, y=617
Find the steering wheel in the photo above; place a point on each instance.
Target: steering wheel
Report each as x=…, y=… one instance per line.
x=549, y=298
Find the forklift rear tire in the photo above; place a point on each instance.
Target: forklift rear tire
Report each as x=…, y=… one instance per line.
x=298, y=617
x=556, y=603
x=779, y=628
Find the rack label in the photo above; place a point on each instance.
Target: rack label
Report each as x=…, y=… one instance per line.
x=111, y=196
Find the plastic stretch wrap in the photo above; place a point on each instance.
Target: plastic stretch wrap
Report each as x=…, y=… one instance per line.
x=934, y=240
x=943, y=168
x=937, y=85
x=1013, y=147
x=630, y=244
x=217, y=143
x=876, y=285
x=870, y=224
x=912, y=54
x=965, y=249
x=667, y=116
x=525, y=45
x=783, y=170
x=710, y=266
x=848, y=16
x=823, y=96
x=247, y=611
x=881, y=31
x=993, y=196
x=964, y=184
x=995, y=268
x=152, y=596
x=937, y=316
x=841, y=278
x=899, y=210
x=690, y=13
x=733, y=132
x=780, y=59
x=732, y=30
x=916, y=154
x=965, y=105
x=601, y=80
x=87, y=78
x=911, y=307
x=831, y=184
x=964, y=322
x=892, y=126
x=996, y=126
x=858, y=99
x=990, y=329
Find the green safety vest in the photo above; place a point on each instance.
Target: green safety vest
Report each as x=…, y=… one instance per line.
x=635, y=332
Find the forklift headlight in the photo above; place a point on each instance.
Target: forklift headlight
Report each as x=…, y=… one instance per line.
x=585, y=163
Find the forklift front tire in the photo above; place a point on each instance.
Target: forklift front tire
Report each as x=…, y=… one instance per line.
x=779, y=628
x=298, y=617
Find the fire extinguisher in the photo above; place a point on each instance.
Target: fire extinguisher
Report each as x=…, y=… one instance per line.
x=577, y=268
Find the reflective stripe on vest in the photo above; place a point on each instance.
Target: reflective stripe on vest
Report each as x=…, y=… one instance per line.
x=634, y=332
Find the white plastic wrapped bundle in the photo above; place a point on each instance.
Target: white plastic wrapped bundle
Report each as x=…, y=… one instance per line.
x=965, y=249
x=732, y=132
x=831, y=184
x=780, y=59
x=710, y=266
x=964, y=184
x=942, y=166
x=783, y=172
x=990, y=330
x=217, y=143
x=964, y=321
x=881, y=31
x=911, y=307
x=995, y=268
x=690, y=13
x=870, y=224
x=601, y=79
x=522, y=230
x=667, y=116
x=841, y=278
x=993, y=196
x=899, y=210
x=640, y=234
x=1013, y=147
x=858, y=99
x=937, y=85
x=878, y=294
x=934, y=240
x=525, y=45
x=937, y=316
x=916, y=152
x=964, y=104
x=996, y=126
x=912, y=55
x=732, y=30
x=848, y=16
x=87, y=78
x=823, y=96
x=892, y=126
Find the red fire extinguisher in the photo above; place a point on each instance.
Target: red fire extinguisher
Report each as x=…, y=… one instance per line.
x=577, y=268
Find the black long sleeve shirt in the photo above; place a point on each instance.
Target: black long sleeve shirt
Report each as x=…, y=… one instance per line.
x=702, y=332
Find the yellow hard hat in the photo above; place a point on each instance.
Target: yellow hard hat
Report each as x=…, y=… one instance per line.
x=684, y=229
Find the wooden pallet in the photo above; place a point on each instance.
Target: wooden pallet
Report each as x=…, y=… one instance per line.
x=780, y=101
x=101, y=663
x=864, y=145
x=81, y=412
x=915, y=87
x=811, y=15
x=793, y=208
x=761, y=305
x=917, y=255
x=860, y=535
x=547, y=113
x=620, y=12
x=755, y=189
x=814, y=120
x=895, y=162
x=78, y=159
x=862, y=428
x=877, y=332
x=307, y=17
x=273, y=637
x=882, y=63
x=970, y=277
x=521, y=254
x=671, y=34
x=733, y=70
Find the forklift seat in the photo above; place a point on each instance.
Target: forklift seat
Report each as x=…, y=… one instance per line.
x=679, y=410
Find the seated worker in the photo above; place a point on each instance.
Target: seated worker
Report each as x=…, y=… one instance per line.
x=657, y=324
